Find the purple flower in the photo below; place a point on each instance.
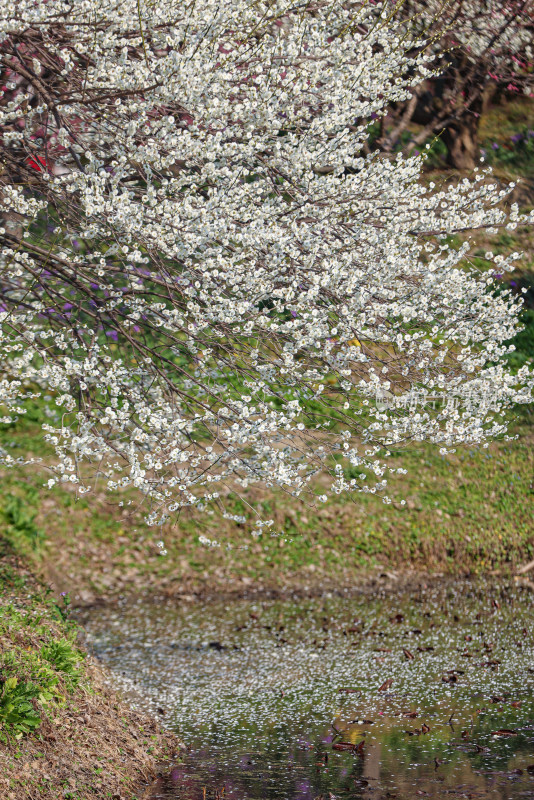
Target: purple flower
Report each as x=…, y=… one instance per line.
x=518, y=137
x=113, y=335
x=67, y=307
x=494, y=146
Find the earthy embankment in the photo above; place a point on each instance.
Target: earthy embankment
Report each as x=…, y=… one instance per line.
x=470, y=512
x=63, y=732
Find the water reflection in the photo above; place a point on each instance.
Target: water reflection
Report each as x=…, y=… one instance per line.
x=336, y=697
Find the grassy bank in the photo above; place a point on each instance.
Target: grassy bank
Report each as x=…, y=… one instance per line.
x=469, y=512
x=63, y=733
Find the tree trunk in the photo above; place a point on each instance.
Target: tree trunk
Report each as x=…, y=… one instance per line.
x=461, y=140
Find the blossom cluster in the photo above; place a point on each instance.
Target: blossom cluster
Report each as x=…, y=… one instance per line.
x=204, y=271
x=499, y=31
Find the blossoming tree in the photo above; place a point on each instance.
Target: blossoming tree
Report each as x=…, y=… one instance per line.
x=202, y=271
x=482, y=46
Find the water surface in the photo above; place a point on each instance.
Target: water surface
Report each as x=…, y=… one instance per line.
x=421, y=695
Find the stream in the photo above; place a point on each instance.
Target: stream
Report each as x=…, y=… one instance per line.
x=422, y=694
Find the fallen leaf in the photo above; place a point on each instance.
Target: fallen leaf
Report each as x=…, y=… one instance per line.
x=344, y=747
x=386, y=685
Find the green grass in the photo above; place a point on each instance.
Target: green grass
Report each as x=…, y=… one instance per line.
x=506, y=136
x=469, y=511
x=40, y=664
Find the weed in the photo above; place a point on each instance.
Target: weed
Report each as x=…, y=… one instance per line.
x=18, y=713
x=38, y=666
x=64, y=657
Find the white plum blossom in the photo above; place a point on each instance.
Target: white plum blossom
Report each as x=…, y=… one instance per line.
x=203, y=269
x=500, y=31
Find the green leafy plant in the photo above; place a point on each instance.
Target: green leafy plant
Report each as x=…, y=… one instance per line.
x=64, y=657
x=18, y=714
